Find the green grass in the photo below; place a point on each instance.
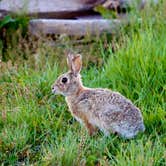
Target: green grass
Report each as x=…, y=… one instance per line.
x=36, y=127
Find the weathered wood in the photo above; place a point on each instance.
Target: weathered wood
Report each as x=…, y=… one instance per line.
x=49, y=8
x=72, y=27
x=59, y=8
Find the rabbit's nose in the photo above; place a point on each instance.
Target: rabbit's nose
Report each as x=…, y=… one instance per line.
x=52, y=88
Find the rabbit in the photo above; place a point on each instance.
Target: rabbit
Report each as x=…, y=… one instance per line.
x=97, y=108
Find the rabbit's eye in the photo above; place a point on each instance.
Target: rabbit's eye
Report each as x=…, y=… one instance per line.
x=64, y=79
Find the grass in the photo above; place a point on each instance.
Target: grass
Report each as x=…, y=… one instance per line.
x=37, y=129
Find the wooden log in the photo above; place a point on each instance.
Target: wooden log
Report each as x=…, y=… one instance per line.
x=59, y=8
x=80, y=27
x=49, y=8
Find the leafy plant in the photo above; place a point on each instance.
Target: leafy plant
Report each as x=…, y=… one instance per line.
x=11, y=29
x=106, y=13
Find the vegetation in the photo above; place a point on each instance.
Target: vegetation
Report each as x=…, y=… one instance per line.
x=11, y=29
x=36, y=127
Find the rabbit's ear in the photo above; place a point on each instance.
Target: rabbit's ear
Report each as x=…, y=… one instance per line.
x=69, y=61
x=77, y=63
x=74, y=63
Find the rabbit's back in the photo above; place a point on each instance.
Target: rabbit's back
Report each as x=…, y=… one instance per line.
x=104, y=99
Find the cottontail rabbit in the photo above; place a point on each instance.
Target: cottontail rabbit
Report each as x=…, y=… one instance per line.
x=97, y=108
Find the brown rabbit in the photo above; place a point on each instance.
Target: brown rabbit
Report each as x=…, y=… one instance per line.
x=97, y=108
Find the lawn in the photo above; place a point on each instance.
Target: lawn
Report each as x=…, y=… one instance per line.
x=35, y=125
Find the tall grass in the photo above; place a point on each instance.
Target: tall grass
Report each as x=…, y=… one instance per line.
x=37, y=129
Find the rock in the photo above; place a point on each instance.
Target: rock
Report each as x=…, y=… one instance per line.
x=80, y=27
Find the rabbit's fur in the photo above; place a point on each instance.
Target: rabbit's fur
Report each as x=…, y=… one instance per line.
x=97, y=108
